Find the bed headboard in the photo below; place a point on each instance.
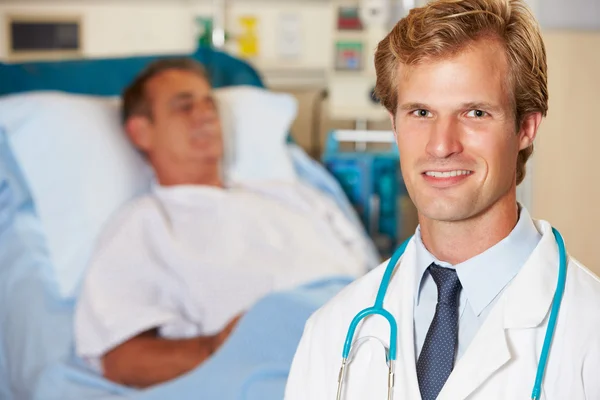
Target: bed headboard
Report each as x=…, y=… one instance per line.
x=109, y=76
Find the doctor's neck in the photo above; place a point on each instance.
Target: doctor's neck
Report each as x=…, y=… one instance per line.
x=457, y=241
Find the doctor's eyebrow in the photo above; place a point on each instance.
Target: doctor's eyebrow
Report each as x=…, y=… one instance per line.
x=494, y=108
x=413, y=106
x=485, y=106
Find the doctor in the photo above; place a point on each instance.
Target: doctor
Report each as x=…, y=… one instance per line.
x=465, y=85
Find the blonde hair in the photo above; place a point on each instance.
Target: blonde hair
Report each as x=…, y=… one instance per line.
x=444, y=28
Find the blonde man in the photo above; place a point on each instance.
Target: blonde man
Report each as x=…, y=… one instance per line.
x=465, y=84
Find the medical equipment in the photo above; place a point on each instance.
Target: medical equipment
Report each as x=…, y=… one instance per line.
x=377, y=309
x=351, y=77
x=372, y=180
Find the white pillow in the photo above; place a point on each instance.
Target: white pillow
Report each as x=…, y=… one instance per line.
x=256, y=124
x=80, y=166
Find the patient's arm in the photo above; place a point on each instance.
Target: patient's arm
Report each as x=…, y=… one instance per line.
x=147, y=359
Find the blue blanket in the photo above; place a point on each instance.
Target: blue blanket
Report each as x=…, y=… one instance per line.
x=37, y=359
x=252, y=365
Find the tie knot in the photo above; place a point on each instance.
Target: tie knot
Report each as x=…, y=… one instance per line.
x=447, y=283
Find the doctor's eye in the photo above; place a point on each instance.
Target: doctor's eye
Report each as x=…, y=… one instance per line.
x=422, y=113
x=476, y=114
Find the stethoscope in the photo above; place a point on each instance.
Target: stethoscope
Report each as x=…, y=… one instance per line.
x=391, y=353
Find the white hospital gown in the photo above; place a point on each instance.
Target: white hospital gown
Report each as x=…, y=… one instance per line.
x=187, y=259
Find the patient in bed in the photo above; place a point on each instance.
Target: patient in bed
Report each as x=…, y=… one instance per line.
x=175, y=269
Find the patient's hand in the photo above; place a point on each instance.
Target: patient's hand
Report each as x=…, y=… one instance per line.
x=148, y=359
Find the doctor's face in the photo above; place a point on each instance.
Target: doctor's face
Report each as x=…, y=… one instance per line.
x=184, y=126
x=456, y=133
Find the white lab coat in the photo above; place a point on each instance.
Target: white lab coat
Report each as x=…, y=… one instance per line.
x=500, y=362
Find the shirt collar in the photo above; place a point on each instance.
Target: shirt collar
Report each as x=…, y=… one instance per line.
x=484, y=276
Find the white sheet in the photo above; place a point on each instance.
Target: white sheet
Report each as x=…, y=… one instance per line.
x=187, y=259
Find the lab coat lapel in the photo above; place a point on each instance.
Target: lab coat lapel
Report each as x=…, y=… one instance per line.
x=400, y=301
x=487, y=353
x=523, y=305
x=529, y=298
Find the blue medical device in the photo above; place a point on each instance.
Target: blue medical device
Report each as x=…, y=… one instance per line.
x=377, y=309
x=372, y=181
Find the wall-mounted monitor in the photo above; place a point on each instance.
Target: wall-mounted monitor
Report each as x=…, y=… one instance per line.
x=40, y=37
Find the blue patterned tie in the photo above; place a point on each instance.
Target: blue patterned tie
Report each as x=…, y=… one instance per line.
x=437, y=356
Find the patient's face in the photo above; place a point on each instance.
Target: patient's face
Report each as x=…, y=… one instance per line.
x=184, y=128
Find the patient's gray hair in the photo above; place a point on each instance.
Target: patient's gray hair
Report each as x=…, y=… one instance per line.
x=134, y=96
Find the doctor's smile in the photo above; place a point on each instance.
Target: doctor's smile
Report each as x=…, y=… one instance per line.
x=446, y=178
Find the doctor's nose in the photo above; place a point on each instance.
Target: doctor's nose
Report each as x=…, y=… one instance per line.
x=444, y=139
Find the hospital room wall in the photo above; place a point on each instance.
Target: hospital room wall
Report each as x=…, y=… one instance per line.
x=137, y=27
x=111, y=28
x=566, y=187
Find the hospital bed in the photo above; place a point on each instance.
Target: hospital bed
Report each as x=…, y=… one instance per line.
x=62, y=176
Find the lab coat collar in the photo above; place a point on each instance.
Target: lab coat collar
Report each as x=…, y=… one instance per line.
x=524, y=305
x=529, y=297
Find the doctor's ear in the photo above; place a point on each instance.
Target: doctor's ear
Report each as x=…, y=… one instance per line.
x=138, y=130
x=528, y=129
